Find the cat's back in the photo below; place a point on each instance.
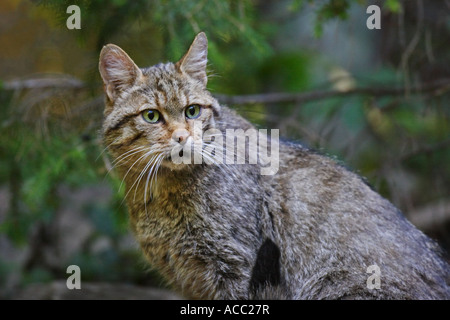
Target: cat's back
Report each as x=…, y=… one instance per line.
x=338, y=227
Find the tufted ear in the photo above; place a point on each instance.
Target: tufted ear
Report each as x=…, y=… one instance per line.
x=193, y=63
x=118, y=71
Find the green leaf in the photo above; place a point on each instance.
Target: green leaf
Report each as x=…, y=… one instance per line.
x=393, y=6
x=328, y=11
x=318, y=29
x=295, y=5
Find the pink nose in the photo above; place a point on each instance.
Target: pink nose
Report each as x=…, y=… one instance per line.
x=180, y=135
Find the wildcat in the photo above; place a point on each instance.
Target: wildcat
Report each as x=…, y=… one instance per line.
x=312, y=230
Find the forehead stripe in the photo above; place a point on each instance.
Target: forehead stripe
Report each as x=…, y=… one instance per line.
x=128, y=142
x=121, y=122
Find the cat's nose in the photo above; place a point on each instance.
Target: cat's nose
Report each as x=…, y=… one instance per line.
x=180, y=135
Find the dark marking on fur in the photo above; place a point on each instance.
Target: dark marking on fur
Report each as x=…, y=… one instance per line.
x=266, y=270
x=164, y=94
x=131, y=140
x=215, y=112
x=121, y=123
x=158, y=104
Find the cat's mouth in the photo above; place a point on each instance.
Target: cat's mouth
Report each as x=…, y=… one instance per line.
x=182, y=156
x=169, y=157
x=174, y=162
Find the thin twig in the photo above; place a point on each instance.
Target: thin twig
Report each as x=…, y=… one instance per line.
x=42, y=83
x=431, y=216
x=404, y=64
x=437, y=87
x=441, y=86
x=426, y=149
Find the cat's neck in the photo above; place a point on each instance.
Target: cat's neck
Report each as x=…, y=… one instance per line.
x=166, y=184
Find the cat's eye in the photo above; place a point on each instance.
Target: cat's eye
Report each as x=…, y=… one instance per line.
x=151, y=115
x=193, y=111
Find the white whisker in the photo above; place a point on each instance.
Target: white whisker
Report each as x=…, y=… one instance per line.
x=139, y=159
x=127, y=154
x=224, y=168
x=141, y=175
x=122, y=157
x=152, y=174
x=137, y=180
x=106, y=148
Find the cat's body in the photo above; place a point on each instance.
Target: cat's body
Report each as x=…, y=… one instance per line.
x=310, y=231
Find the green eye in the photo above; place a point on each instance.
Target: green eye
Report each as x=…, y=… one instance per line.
x=193, y=111
x=151, y=115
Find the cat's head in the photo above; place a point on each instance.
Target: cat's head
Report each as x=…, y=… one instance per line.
x=152, y=111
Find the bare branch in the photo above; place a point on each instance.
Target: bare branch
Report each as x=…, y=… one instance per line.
x=426, y=149
x=437, y=87
x=431, y=216
x=45, y=82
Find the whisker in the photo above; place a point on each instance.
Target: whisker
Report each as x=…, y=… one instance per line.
x=151, y=175
x=141, y=175
x=137, y=180
x=156, y=170
x=228, y=154
x=117, y=161
x=232, y=153
x=224, y=168
x=145, y=155
x=103, y=151
x=124, y=155
x=138, y=152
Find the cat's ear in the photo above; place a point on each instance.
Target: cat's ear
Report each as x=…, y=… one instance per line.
x=118, y=71
x=193, y=63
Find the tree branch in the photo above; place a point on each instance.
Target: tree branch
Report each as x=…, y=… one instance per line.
x=437, y=87
x=426, y=149
x=62, y=82
x=431, y=216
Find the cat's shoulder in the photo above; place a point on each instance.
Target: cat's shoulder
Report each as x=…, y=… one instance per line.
x=300, y=162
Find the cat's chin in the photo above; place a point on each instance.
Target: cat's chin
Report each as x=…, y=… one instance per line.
x=169, y=164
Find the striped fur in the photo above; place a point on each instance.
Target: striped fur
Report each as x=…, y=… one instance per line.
x=227, y=232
